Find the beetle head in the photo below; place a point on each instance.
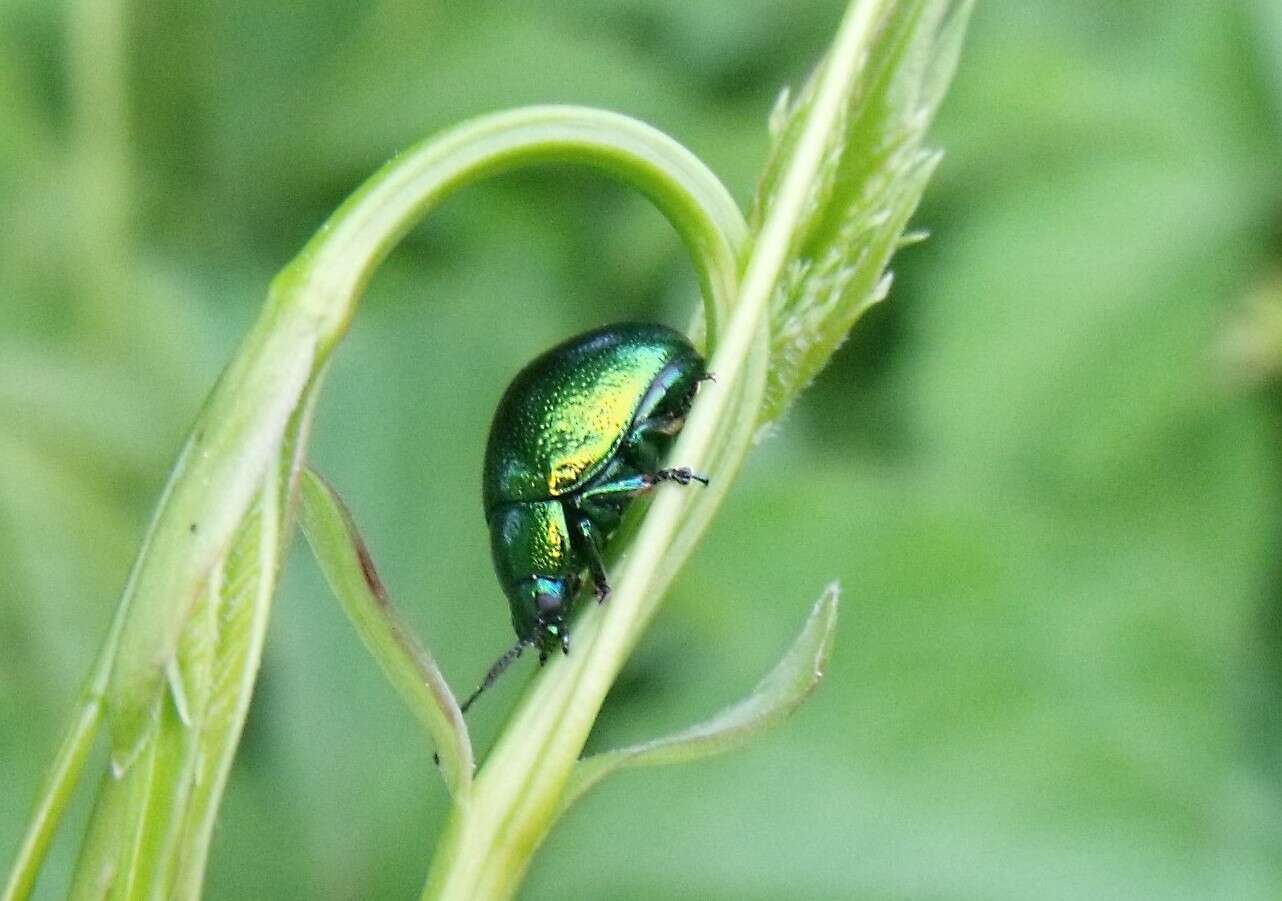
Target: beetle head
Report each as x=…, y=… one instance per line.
x=540, y=605
x=547, y=605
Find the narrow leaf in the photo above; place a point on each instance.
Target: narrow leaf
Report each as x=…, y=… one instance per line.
x=152, y=823
x=871, y=174
x=349, y=569
x=246, y=586
x=58, y=787
x=792, y=680
x=237, y=438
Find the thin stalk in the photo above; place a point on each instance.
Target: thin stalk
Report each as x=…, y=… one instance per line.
x=240, y=434
x=176, y=687
x=96, y=41
x=331, y=272
x=62, y=778
x=488, y=845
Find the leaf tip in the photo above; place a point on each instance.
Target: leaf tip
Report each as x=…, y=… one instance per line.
x=178, y=691
x=825, y=618
x=780, y=114
x=129, y=735
x=133, y=699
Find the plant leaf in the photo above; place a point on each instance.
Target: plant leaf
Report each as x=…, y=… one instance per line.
x=246, y=587
x=783, y=689
x=522, y=788
x=153, y=823
x=349, y=569
x=238, y=437
x=872, y=175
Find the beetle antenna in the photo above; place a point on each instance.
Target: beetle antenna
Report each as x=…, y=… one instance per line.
x=508, y=658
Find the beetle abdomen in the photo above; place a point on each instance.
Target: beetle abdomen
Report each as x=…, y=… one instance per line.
x=565, y=415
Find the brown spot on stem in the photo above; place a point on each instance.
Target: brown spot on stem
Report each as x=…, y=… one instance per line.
x=370, y=573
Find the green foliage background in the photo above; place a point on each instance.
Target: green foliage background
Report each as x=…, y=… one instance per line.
x=1056, y=514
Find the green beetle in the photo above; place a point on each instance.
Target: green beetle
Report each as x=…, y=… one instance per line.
x=579, y=433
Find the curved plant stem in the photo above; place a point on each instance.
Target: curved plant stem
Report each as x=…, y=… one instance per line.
x=256, y=420
x=488, y=845
x=333, y=269
x=331, y=272
x=178, y=670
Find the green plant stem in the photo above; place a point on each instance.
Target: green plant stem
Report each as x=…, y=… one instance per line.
x=95, y=36
x=176, y=686
x=330, y=274
x=244, y=430
x=487, y=846
x=63, y=776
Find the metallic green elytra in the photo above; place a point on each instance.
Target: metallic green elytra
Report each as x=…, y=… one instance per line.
x=580, y=432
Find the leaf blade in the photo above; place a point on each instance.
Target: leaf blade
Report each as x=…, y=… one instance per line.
x=349, y=569
x=211, y=488
x=245, y=589
x=784, y=688
x=873, y=172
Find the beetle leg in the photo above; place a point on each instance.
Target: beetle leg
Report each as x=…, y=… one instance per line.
x=596, y=566
x=616, y=492
x=682, y=475
x=631, y=486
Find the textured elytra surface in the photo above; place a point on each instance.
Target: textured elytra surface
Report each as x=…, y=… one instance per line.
x=565, y=414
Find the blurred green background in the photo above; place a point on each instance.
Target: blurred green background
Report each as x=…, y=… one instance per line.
x=1056, y=510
